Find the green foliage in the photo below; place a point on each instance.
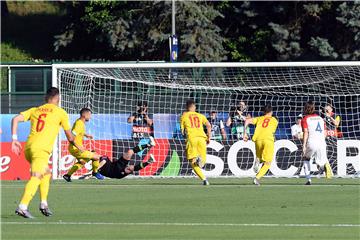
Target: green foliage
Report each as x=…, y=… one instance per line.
x=4, y=79
x=199, y=37
x=10, y=53
x=140, y=30
x=29, y=27
x=349, y=16
x=207, y=30
x=323, y=47
x=24, y=8
x=252, y=48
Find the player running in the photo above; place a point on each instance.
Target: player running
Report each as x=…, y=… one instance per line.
x=120, y=168
x=82, y=157
x=264, y=141
x=45, y=121
x=314, y=144
x=192, y=124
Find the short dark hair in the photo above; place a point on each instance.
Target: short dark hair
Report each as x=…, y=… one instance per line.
x=51, y=92
x=142, y=103
x=85, y=110
x=330, y=105
x=267, y=108
x=189, y=103
x=309, y=108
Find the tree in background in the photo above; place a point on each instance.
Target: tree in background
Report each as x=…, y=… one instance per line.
x=140, y=30
x=207, y=30
x=290, y=31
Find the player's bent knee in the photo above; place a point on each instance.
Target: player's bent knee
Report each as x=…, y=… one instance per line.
x=47, y=171
x=37, y=175
x=82, y=162
x=96, y=157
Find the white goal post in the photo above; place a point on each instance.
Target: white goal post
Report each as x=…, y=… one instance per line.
x=113, y=91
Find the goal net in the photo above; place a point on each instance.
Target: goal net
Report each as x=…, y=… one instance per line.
x=115, y=92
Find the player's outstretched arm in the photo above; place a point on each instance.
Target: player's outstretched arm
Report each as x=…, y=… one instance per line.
x=15, y=144
x=89, y=136
x=182, y=125
x=208, y=130
x=131, y=118
x=336, y=121
x=70, y=138
x=148, y=120
x=248, y=121
x=228, y=121
x=223, y=133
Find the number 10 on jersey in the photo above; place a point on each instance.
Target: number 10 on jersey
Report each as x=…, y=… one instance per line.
x=194, y=121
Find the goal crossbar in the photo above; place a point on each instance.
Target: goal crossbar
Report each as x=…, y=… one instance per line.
x=206, y=65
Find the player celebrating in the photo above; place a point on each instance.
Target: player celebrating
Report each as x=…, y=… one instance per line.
x=120, y=168
x=314, y=144
x=264, y=140
x=45, y=123
x=82, y=157
x=192, y=124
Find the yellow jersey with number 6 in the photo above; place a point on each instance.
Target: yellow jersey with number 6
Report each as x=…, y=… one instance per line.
x=45, y=122
x=192, y=123
x=265, y=128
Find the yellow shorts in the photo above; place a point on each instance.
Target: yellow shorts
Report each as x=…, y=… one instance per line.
x=264, y=150
x=38, y=159
x=196, y=147
x=85, y=155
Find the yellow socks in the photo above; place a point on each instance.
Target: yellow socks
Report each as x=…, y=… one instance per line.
x=74, y=168
x=30, y=191
x=95, y=166
x=198, y=171
x=44, y=187
x=328, y=171
x=263, y=170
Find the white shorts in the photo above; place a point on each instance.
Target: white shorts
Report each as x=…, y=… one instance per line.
x=317, y=152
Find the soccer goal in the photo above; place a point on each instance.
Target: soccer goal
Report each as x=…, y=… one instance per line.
x=116, y=91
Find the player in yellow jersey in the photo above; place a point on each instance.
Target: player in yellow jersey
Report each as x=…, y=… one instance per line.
x=82, y=157
x=192, y=125
x=45, y=121
x=264, y=140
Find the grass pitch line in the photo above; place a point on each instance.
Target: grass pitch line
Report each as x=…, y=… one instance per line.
x=187, y=224
x=73, y=186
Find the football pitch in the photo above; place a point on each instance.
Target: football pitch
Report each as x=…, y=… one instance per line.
x=229, y=208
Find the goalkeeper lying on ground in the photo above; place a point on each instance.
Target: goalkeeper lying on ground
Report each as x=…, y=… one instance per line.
x=120, y=168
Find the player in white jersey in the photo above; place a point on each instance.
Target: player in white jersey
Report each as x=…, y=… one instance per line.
x=314, y=144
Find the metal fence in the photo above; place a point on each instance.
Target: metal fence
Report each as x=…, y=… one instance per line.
x=23, y=86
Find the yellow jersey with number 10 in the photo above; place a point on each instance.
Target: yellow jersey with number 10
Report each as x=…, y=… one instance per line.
x=192, y=123
x=45, y=122
x=265, y=128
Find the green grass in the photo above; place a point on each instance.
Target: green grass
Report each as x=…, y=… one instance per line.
x=183, y=209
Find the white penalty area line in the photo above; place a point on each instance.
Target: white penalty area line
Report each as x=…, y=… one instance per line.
x=244, y=185
x=186, y=224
